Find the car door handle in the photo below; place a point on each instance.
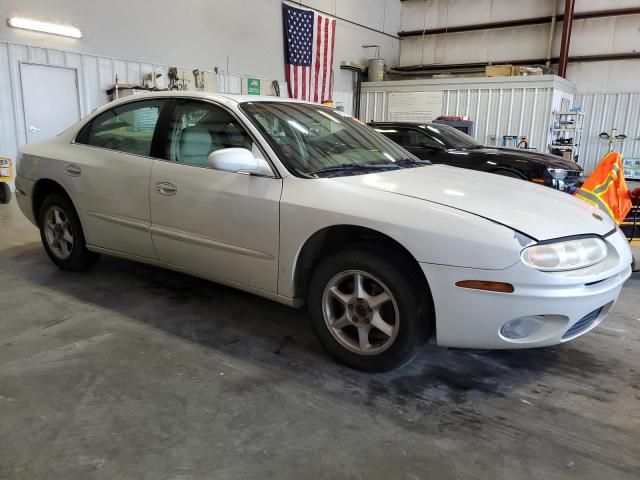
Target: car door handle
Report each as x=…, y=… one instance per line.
x=33, y=129
x=72, y=170
x=166, y=188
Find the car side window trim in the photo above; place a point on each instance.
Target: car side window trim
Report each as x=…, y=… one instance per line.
x=163, y=126
x=82, y=137
x=163, y=129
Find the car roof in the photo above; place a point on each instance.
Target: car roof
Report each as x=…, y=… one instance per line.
x=225, y=97
x=401, y=124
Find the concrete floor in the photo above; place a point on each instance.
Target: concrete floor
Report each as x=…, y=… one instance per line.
x=132, y=372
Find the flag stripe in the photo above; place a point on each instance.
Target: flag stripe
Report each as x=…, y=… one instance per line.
x=309, y=50
x=325, y=46
x=303, y=84
x=319, y=59
x=333, y=44
x=287, y=75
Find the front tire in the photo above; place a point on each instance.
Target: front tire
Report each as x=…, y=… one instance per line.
x=62, y=235
x=368, y=310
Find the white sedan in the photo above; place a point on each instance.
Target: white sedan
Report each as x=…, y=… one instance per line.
x=301, y=204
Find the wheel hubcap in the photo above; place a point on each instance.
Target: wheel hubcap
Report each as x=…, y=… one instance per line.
x=57, y=230
x=360, y=312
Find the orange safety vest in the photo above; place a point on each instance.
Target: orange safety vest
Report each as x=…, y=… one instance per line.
x=606, y=188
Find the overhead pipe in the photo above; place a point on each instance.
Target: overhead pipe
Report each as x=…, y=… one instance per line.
x=552, y=33
x=480, y=66
x=566, y=37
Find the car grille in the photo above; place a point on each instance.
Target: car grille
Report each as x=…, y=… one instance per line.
x=582, y=324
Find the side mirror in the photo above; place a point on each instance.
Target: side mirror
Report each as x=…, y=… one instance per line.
x=238, y=160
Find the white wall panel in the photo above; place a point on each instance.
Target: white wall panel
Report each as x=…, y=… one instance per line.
x=605, y=77
x=439, y=13
x=95, y=75
x=468, y=12
x=604, y=112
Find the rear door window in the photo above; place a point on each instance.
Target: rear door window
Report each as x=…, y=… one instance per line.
x=128, y=128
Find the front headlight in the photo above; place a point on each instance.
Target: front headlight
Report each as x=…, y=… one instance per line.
x=567, y=255
x=557, y=173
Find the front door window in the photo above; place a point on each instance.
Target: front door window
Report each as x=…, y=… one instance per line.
x=199, y=128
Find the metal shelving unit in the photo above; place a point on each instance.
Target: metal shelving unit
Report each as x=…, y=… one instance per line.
x=566, y=134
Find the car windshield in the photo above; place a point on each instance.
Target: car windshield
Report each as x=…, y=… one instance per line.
x=451, y=137
x=316, y=141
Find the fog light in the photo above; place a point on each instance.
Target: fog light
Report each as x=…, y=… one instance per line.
x=522, y=327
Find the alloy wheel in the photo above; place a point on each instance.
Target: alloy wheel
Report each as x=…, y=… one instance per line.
x=57, y=230
x=360, y=312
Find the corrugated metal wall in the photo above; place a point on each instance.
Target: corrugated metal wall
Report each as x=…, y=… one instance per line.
x=604, y=112
x=95, y=75
x=522, y=111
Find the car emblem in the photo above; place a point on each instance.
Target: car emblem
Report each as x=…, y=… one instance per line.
x=596, y=216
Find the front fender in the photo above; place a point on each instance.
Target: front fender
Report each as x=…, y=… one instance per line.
x=432, y=233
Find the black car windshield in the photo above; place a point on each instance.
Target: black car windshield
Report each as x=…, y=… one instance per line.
x=450, y=137
x=316, y=141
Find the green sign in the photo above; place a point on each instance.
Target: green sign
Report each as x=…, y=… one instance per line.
x=253, y=86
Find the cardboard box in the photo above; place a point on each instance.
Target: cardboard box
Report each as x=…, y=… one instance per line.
x=521, y=70
x=498, y=70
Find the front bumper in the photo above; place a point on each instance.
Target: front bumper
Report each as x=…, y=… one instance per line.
x=467, y=318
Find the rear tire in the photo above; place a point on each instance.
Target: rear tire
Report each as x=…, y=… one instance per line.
x=5, y=193
x=377, y=327
x=62, y=235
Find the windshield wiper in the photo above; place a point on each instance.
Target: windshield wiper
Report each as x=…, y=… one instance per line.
x=347, y=167
x=411, y=161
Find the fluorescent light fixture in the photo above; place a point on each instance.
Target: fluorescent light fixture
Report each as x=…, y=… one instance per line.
x=46, y=27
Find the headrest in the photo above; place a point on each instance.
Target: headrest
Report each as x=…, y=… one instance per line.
x=195, y=146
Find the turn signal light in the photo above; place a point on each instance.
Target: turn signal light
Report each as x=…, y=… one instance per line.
x=485, y=285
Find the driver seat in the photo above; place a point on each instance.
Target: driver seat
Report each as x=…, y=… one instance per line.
x=195, y=146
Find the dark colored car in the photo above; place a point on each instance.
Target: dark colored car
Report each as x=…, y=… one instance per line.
x=444, y=144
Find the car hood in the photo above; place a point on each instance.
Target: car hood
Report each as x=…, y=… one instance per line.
x=546, y=159
x=539, y=212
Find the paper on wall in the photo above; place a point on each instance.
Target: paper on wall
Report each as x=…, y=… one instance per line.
x=414, y=106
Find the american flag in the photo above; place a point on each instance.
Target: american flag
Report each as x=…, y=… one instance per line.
x=308, y=44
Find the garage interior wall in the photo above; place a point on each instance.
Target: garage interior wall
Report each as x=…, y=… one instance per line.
x=95, y=74
x=246, y=35
x=603, y=87
x=601, y=36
